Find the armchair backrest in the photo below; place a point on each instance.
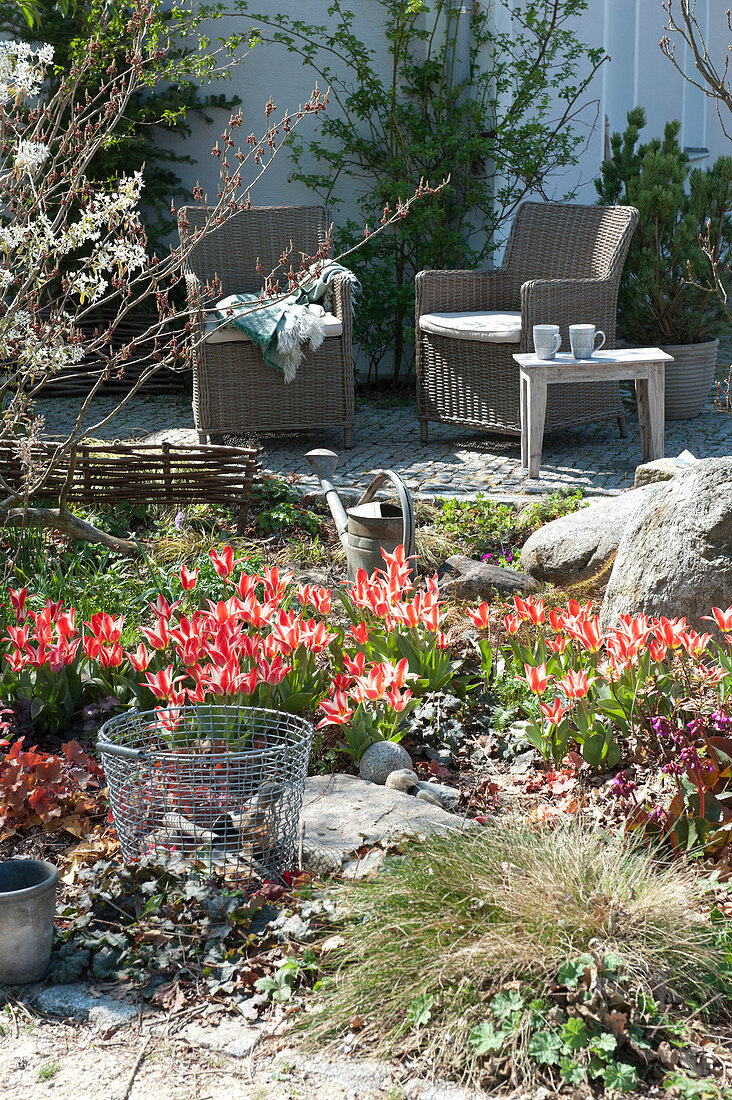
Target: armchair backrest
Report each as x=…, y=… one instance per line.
x=555, y=240
x=259, y=234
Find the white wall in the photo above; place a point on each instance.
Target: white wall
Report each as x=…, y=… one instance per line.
x=271, y=70
x=637, y=73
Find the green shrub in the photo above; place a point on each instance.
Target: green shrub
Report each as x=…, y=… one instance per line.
x=655, y=304
x=494, y=129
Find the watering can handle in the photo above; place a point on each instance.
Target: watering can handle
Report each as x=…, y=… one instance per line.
x=405, y=502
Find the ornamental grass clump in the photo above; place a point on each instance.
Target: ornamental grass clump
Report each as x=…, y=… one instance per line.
x=436, y=943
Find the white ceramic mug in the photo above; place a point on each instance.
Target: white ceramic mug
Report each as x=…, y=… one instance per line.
x=582, y=340
x=547, y=341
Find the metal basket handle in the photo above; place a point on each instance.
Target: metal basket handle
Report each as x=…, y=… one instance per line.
x=405, y=502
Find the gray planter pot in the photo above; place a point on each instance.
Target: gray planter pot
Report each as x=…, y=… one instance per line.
x=27, y=906
x=689, y=378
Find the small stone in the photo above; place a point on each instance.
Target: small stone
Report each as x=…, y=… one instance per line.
x=382, y=758
x=403, y=779
x=465, y=579
x=447, y=796
x=230, y=1037
x=74, y=1001
x=661, y=469
x=364, y=867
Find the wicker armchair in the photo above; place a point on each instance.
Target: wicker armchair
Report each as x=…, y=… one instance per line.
x=562, y=265
x=233, y=390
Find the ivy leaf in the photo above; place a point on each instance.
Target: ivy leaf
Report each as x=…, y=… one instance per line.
x=545, y=1048
x=575, y=1034
x=504, y=1005
x=572, y=1072
x=419, y=1012
x=620, y=1076
x=484, y=1038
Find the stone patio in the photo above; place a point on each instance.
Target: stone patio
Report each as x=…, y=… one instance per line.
x=455, y=462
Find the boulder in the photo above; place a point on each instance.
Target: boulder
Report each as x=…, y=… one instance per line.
x=675, y=556
x=342, y=813
x=465, y=579
x=577, y=546
x=381, y=759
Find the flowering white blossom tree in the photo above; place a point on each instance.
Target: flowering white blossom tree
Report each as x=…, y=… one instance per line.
x=69, y=247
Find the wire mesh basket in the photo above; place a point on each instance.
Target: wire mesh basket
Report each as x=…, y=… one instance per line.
x=220, y=786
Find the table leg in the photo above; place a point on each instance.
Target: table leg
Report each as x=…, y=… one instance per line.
x=536, y=402
x=656, y=410
x=524, y=419
x=641, y=397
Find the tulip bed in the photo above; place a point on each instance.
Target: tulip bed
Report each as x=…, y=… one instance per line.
x=651, y=694
x=270, y=643
x=644, y=703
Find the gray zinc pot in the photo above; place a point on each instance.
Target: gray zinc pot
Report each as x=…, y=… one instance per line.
x=689, y=378
x=27, y=906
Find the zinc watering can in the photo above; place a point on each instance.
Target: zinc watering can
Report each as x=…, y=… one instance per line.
x=371, y=525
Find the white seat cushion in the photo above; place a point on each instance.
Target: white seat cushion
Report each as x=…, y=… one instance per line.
x=491, y=326
x=216, y=333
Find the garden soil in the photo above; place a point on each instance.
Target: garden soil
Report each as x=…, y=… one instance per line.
x=54, y=1060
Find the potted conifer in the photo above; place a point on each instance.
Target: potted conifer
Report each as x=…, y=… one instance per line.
x=664, y=300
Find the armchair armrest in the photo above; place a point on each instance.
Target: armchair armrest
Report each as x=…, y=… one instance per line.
x=464, y=291
x=341, y=306
x=341, y=298
x=565, y=302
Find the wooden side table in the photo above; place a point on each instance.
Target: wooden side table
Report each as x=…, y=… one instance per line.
x=645, y=365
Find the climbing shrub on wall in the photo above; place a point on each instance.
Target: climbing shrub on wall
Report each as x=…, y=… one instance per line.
x=498, y=125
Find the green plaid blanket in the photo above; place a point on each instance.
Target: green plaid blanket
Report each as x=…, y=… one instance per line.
x=283, y=328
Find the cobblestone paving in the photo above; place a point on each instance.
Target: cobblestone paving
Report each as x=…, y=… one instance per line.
x=455, y=462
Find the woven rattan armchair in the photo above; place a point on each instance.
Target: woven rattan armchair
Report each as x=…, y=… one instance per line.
x=234, y=391
x=562, y=266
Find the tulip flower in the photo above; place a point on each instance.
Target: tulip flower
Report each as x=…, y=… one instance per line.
x=188, y=578
x=575, y=685
x=554, y=713
x=537, y=678
x=223, y=563
x=479, y=616
x=723, y=619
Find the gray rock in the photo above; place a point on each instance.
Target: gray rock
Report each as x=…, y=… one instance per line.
x=675, y=556
x=465, y=579
x=448, y=796
x=364, y=867
x=576, y=546
x=401, y=779
x=341, y=813
x=381, y=759
x=230, y=1036
x=73, y=1001
x=661, y=469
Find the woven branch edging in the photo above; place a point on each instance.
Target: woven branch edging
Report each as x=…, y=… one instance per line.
x=147, y=473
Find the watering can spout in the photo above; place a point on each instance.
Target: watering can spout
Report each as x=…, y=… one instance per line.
x=324, y=463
